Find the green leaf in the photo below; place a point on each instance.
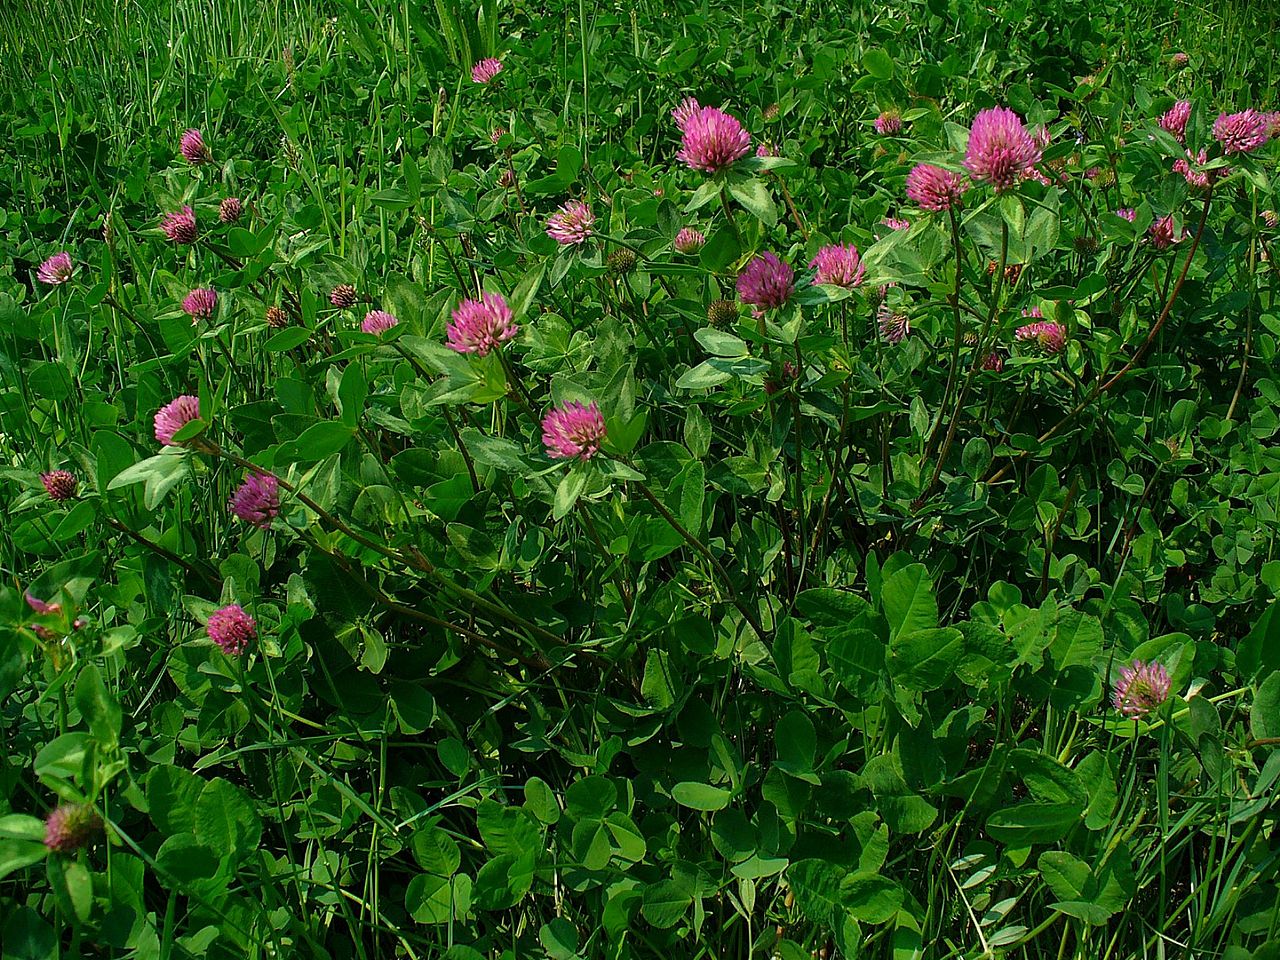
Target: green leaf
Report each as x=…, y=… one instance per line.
x=225, y=820
x=705, y=193
x=287, y=340
x=665, y=902
x=628, y=840
x=721, y=249
x=171, y=795
x=98, y=707
x=1024, y=824
x=62, y=757
x=925, y=659
x=161, y=474
x=27, y=937
x=560, y=939
x=246, y=245
x=870, y=898
x=72, y=886
x=321, y=440
x=1259, y=651
x=16, y=854
x=567, y=492
x=976, y=457
x=183, y=859
x=1014, y=214
x=754, y=197
x=721, y=343
x=540, y=799
x=692, y=484
x=908, y=600
x=352, y=391
x=522, y=296
x=1077, y=640
x=190, y=431
x=494, y=451
x=590, y=798
x=796, y=742
x=1066, y=875
x=703, y=377
x=436, y=852
x=1264, y=717
x=656, y=686
x=700, y=796
x=21, y=826
x=856, y=656
x=429, y=898
x=878, y=63
x=817, y=887
x=393, y=199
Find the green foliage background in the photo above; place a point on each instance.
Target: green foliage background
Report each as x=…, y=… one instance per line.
x=510, y=708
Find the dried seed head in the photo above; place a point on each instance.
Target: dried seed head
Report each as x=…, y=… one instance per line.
x=621, y=262
x=722, y=313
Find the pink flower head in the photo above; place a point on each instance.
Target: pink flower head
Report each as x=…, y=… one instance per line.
x=893, y=326
x=1241, y=132
x=993, y=362
x=1045, y=335
x=57, y=269
x=378, y=322
x=257, y=500
x=1179, y=60
x=838, y=265
x=573, y=431
x=689, y=240
x=1127, y=213
x=70, y=827
x=934, y=188
x=1141, y=688
x=486, y=69
x=180, y=227
x=1162, y=233
x=572, y=224
x=481, y=325
x=1034, y=313
x=175, y=415
x=767, y=149
x=193, y=148
x=200, y=304
x=686, y=109
x=896, y=223
x=1271, y=218
x=1000, y=151
x=496, y=134
x=1175, y=120
x=41, y=606
x=766, y=282
x=1195, y=177
x=60, y=484
x=889, y=123
x=232, y=629
x=713, y=140
x=230, y=210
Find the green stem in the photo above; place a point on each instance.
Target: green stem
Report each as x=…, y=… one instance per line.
x=977, y=361
x=957, y=334
x=752, y=617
